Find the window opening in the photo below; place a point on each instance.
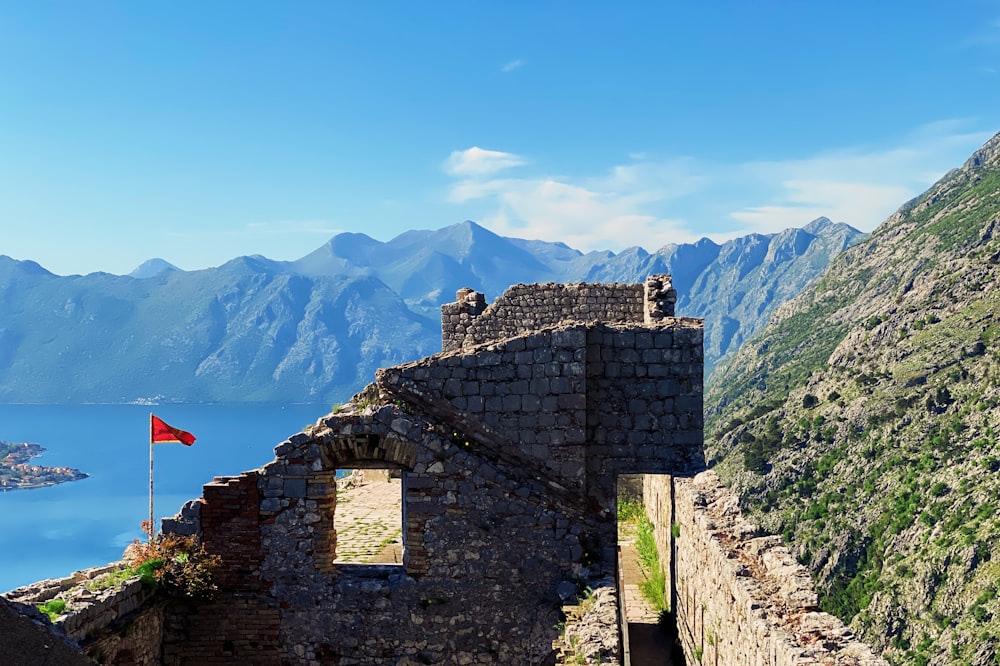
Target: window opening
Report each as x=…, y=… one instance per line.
x=369, y=516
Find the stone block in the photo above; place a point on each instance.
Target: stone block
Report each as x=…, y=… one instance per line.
x=559, y=385
x=572, y=401
x=295, y=488
x=512, y=403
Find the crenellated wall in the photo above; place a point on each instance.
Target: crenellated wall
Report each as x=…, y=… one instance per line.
x=739, y=597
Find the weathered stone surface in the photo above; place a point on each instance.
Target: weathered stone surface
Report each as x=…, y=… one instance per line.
x=509, y=483
x=739, y=597
x=27, y=640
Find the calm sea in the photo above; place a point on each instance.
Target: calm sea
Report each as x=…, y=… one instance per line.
x=51, y=532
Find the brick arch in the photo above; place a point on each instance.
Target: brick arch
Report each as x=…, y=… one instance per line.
x=367, y=451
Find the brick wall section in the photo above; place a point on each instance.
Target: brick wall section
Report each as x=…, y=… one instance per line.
x=644, y=400
x=232, y=628
x=230, y=523
x=242, y=622
x=584, y=401
x=137, y=643
x=740, y=597
x=525, y=308
x=530, y=391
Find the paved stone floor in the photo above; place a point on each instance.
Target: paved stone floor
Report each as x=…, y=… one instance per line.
x=369, y=521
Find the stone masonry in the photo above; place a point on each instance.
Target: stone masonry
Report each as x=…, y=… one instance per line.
x=739, y=595
x=530, y=307
x=509, y=444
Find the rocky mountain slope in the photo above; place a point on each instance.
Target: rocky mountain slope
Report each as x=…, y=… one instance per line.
x=316, y=329
x=861, y=424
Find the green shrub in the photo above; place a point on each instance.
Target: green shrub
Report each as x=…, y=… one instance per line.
x=176, y=563
x=147, y=571
x=630, y=511
x=53, y=608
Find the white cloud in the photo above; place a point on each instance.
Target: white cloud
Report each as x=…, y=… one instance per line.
x=650, y=202
x=859, y=186
x=477, y=161
x=511, y=65
x=596, y=214
x=806, y=200
x=581, y=217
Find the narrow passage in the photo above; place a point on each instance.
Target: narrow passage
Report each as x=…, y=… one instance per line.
x=649, y=644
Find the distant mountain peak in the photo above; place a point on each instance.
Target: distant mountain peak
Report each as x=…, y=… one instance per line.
x=473, y=231
x=818, y=224
x=152, y=268
x=254, y=263
x=24, y=265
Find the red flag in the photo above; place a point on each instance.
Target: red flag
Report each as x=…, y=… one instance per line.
x=161, y=433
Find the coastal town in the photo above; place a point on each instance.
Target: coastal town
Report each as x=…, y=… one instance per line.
x=17, y=474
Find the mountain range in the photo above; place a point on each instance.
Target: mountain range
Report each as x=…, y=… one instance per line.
x=316, y=329
x=861, y=424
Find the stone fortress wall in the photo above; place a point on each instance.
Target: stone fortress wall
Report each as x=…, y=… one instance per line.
x=739, y=595
x=510, y=444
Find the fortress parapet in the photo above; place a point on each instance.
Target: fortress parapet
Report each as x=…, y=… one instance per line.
x=529, y=307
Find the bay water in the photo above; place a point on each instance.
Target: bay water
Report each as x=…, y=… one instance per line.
x=51, y=532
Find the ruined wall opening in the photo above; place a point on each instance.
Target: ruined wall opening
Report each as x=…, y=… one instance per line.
x=369, y=518
x=369, y=515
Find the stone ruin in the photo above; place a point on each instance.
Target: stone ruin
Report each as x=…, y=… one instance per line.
x=509, y=445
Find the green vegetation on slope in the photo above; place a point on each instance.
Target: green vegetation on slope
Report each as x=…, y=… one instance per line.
x=861, y=425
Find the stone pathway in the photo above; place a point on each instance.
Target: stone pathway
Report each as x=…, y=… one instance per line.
x=648, y=644
x=637, y=608
x=369, y=521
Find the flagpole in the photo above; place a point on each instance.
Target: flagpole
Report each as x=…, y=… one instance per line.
x=151, y=531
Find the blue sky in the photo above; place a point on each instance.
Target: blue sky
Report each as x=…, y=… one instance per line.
x=200, y=131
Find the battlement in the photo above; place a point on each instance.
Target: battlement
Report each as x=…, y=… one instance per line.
x=528, y=307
